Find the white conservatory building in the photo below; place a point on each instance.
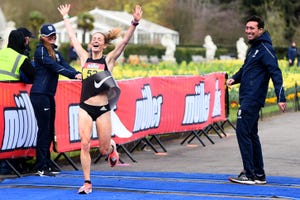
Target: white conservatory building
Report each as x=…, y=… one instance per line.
x=105, y=20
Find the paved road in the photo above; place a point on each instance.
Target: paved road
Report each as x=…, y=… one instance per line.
x=280, y=138
x=280, y=141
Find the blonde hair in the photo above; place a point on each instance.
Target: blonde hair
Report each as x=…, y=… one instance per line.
x=49, y=48
x=111, y=35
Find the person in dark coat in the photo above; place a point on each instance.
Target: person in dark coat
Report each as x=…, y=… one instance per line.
x=292, y=54
x=15, y=66
x=49, y=64
x=259, y=67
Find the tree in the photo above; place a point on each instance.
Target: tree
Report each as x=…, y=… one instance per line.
x=85, y=22
x=275, y=20
x=289, y=11
x=36, y=19
x=223, y=19
x=183, y=22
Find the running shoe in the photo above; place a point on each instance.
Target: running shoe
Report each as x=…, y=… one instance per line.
x=54, y=169
x=243, y=179
x=44, y=173
x=85, y=189
x=113, y=157
x=260, y=179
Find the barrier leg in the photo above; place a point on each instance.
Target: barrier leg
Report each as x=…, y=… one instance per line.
x=55, y=164
x=212, y=127
x=146, y=142
x=215, y=127
x=100, y=156
x=197, y=135
x=150, y=144
x=67, y=158
x=296, y=99
x=126, y=151
x=229, y=122
x=205, y=133
x=187, y=137
x=135, y=146
x=157, y=141
x=13, y=168
x=221, y=129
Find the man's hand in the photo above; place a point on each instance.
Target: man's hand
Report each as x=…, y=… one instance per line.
x=78, y=76
x=229, y=82
x=282, y=106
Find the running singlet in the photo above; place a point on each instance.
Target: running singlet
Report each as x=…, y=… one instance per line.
x=92, y=67
x=97, y=79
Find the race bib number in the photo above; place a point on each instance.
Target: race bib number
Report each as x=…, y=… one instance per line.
x=89, y=72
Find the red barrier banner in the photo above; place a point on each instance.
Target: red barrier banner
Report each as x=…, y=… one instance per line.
x=17, y=121
x=147, y=106
x=160, y=105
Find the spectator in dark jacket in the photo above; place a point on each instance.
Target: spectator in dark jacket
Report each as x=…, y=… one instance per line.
x=72, y=53
x=49, y=63
x=14, y=65
x=292, y=54
x=27, y=35
x=259, y=67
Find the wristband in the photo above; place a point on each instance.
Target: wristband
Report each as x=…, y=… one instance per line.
x=134, y=23
x=66, y=17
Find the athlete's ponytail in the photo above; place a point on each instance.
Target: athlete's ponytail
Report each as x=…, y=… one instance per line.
x=112, y=34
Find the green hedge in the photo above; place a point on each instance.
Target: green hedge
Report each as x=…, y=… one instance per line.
x=149, y=50
x=182, y=53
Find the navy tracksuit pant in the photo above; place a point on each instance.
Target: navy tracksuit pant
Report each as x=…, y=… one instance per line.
x=248, y=140
x=44, y=109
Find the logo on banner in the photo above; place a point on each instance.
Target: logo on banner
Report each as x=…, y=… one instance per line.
x=148, y=110
x=118, y=128
x=20, y=127
x=197, y=106
x=217, y=101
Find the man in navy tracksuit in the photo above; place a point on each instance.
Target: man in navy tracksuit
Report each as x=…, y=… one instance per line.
x=259, y=67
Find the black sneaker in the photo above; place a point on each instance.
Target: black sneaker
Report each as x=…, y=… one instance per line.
x=260, y=179
x=44, y=173
x=242, y=178
x=54, y=170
